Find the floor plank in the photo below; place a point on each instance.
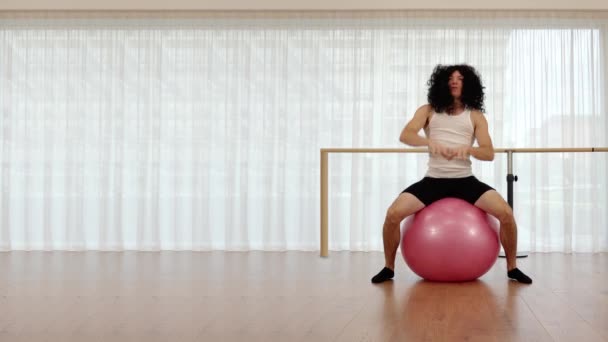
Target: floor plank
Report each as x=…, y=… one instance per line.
x=292, y=296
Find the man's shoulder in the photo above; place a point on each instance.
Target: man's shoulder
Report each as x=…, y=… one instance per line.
x=477, y=115
x=426, y=108
x=424, y=111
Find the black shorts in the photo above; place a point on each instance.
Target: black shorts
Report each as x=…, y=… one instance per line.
x=429, y=190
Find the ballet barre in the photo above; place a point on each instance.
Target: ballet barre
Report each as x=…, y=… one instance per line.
x=510, y=177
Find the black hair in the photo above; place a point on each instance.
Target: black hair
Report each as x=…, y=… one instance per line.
x=439, y=96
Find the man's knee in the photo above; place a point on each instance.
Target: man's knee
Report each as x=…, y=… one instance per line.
x=505, y=216
x=393, y=216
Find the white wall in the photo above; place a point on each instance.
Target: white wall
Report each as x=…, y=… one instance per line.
x=298, y=4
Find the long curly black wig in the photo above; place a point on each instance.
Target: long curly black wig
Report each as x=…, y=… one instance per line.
x=439, y=96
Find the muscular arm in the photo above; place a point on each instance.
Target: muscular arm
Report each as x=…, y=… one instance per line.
x=409, y=135
x=485, y=151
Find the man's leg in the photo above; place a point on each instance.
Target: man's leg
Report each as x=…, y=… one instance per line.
x=492, y=203
x=405, y=205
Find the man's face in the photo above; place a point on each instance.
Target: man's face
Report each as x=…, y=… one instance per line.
x=455, y=84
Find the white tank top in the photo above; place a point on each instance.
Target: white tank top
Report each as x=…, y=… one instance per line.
x=450, y=131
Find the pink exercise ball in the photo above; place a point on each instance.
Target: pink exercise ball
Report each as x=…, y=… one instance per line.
x=450, y=240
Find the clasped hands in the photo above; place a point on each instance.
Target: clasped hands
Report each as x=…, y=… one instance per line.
x=449, y=153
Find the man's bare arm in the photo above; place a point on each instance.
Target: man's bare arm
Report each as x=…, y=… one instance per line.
x=485, y=151
x=409, y=134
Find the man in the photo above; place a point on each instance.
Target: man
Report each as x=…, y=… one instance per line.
x=452, y=120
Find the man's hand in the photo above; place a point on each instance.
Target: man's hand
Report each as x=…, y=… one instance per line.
x=462, y=152
x=436, y=148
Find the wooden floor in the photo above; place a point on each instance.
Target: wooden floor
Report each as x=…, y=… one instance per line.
x=291, y=296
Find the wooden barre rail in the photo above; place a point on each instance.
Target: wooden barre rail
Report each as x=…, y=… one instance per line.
x=324, y=172
x=496, y=150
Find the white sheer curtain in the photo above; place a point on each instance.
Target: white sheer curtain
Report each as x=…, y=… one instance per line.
x=202, y=131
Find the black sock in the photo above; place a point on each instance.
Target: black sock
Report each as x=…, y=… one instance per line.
x=384, y=275
x=519, y=276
